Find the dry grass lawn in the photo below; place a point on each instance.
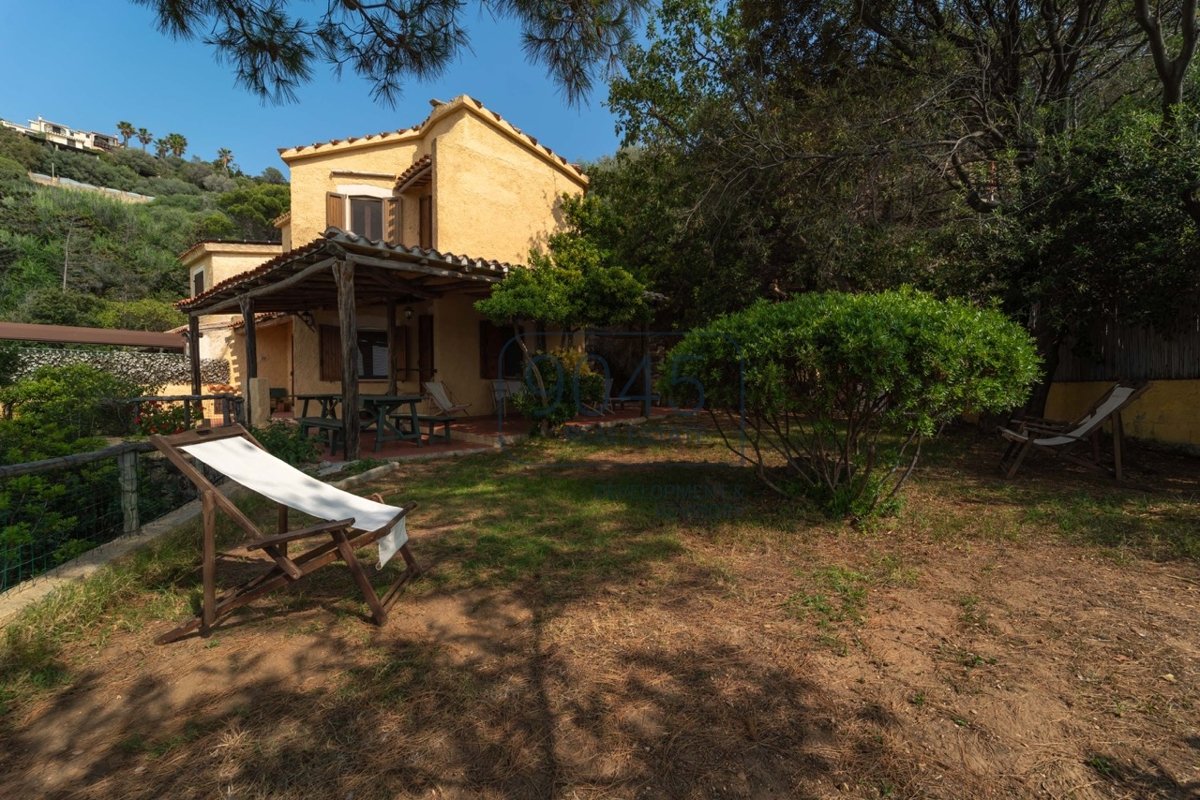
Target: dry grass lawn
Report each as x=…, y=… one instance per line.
x=637, y=619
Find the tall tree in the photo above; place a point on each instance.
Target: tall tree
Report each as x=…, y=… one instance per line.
x=144, y=136
x=958, y=144
x=126, y=131
x=162, y=146
x=1183, y=33
x=273, y=46
x=177, y=143
x=224, y=158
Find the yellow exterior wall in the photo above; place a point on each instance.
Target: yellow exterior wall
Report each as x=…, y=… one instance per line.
x=315, y=176
x=455, y=352
x=492, y=197
x=1167, y=412
x=495, y=195
x=222, y=260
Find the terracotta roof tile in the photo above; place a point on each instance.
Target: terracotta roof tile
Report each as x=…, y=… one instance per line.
x=462, y=101
x=421, y=163
x=336, y=236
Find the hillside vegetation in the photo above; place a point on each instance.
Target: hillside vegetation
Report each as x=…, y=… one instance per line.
x=70, y=257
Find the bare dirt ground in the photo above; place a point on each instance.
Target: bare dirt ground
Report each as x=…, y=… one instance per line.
x=982, y=644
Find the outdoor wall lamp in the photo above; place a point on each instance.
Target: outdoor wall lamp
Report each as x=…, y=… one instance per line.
x=408, y=312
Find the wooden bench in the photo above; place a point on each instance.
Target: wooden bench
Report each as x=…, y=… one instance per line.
x=332, y=426
x=402, y=419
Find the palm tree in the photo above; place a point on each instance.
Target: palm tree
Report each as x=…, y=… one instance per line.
x=225, y=158
x=162, y=147
x=125, y=129
x=144, y=136
x=177, y=143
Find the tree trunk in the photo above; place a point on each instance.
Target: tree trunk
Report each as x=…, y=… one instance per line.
x=1048, y=340
x=542, y=425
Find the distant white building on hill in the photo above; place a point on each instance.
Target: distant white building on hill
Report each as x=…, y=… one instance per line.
x=63, y=136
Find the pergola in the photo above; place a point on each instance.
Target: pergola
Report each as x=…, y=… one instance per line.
x=340, y=271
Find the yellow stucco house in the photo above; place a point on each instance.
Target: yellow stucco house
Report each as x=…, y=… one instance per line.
x=390, y=240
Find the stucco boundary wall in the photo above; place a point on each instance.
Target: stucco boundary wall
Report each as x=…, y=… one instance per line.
x=20, y=597
x=1168, y=413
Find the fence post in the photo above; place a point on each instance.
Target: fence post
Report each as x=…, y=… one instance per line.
x=127, y=464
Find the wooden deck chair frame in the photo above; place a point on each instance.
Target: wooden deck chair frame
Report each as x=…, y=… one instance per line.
x=343, y=541
x=1029, y=430
x=446, y=405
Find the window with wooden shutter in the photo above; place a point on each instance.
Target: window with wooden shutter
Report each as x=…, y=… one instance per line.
x=402, y=359
x=335, y=210
x=372, y=353
x=391, y=220
x=492, y=341
x=331, y=352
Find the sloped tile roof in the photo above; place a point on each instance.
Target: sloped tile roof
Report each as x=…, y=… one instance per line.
x=422, y=163
x=335, y=240
x=418, y=130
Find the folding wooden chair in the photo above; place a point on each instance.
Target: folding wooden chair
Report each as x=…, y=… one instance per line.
x=436, y=391
x=353, y=522
x=1065, y=438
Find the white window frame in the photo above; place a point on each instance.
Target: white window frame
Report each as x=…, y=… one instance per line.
x=349, y=190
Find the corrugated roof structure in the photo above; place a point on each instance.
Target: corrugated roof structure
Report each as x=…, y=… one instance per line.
x=69, y=334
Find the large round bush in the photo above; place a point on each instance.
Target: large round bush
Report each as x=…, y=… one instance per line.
x=832, y=394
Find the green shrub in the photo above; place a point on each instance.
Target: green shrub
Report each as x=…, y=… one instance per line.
x=73, y=401
x=163, y=418
x=837, y=391
x=570, y=382
x=283, y=440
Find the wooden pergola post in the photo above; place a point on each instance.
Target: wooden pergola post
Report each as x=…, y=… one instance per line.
x=343, y=274
x=194, y=350
x=251, y=372
x=391, y=346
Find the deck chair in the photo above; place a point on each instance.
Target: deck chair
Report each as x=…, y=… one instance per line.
x=1066, y=438
x=605, y=404
x=436, y=391
x=351, y=522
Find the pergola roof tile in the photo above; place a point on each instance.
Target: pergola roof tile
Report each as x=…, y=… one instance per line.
x=336, y=243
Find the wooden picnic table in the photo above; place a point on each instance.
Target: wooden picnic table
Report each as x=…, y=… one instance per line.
x=326, y=420
x=387, y=413
x=328, y=402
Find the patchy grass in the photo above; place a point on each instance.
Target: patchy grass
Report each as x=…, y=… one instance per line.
x=628, y=615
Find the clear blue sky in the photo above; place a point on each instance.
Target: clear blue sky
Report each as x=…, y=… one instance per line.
x=89, y=65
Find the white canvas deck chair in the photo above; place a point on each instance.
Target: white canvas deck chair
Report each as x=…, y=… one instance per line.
x=351, y=522
x=1065, y=438
x=436, y=391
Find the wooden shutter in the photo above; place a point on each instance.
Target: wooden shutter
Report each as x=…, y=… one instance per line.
x=401, y=354
x=335, y=210
x=492, y=339
x=425, y=346
x=391, y=220
x=426, y=219
x=331, y=353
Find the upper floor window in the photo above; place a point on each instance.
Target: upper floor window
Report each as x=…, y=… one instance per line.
x=376, y=217
x=198, y=283
x=366, y=217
